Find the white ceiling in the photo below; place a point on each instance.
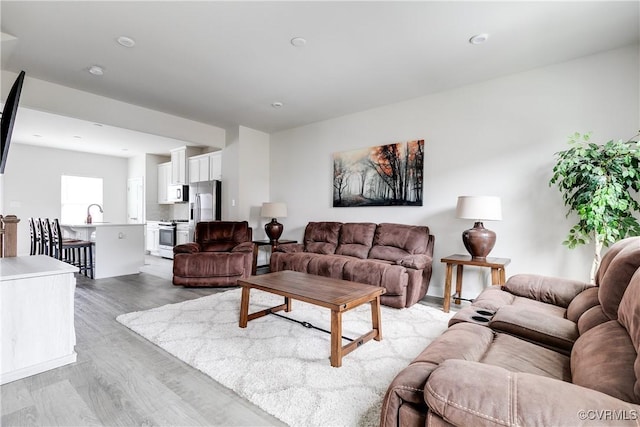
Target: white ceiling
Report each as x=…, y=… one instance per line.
x=225, y=63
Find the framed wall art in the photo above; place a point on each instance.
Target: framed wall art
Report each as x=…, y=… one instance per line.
x=384, y=175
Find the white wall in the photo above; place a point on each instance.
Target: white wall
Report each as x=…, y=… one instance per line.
x=254, y=181
x=494, y=138
x=32, y=184
x=245, y=176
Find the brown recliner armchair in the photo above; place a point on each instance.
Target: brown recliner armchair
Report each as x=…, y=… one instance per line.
x=221, y=254
x=473, y=375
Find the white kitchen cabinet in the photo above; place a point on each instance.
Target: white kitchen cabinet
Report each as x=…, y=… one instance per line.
x=180, y=164
x=152, y=238
x=164, y=180
x=215, y=166
x=182, y=234
x=205, y=167
x=199, y=168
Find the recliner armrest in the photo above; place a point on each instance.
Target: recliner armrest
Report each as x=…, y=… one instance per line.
x=243, y=247
x=290, y=247
x=187, y=248
x=467, y=393
x=418, y=261
x=550, y=290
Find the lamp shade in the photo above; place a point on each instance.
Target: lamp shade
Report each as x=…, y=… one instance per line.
x=479, y=208
x=273, y=210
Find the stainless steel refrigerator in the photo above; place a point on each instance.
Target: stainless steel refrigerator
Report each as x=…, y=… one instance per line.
x=204, y=203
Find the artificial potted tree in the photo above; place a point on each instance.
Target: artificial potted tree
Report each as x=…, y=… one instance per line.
x=600, y=183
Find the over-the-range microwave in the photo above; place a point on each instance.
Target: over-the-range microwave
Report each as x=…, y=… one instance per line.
x=178, y=193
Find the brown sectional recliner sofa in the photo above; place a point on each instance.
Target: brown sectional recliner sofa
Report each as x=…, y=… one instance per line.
x=532, y=372
x=397, y=257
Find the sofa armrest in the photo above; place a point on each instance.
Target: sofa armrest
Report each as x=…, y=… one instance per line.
x=290, y=247
x=186, y=248
x=418, y=261
x=243, y=247
x=550, y=290
x=475, y=394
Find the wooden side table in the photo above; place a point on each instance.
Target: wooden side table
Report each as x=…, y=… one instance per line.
x=256, y=247
x=498, y=275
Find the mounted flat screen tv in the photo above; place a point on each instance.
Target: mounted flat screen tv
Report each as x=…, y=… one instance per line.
x=8, y=118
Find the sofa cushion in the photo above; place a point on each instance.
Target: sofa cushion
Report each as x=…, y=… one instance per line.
x=221, y=236
x=322, y=237
x=395, y=241
x=602, y=359
x=356, y=239
x=392, y=277
x=629, y=318
x=616, y=278
x=201, y=265
x=326, y=265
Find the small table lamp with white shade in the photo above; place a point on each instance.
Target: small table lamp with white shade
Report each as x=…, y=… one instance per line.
x=273, y=210
x=478, y=240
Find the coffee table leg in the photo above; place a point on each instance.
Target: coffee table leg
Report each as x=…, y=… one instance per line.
x=244, y=307
x=287, y=302
x=336, y=339
x=375, y=318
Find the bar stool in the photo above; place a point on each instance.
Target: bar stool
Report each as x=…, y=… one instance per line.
x=35, y=237
x=75, y=252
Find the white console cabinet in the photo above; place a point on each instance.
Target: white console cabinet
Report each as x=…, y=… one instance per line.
x=36, y=315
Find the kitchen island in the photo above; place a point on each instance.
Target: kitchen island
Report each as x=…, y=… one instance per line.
x=119, y=248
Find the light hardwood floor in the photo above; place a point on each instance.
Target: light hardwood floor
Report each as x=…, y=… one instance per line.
x=121, y=379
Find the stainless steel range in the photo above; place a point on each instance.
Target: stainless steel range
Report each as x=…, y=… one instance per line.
x=167, y=237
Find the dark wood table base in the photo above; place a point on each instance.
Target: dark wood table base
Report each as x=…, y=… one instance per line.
x=337, y=295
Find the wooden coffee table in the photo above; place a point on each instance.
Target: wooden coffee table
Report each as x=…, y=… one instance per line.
x=337, y=295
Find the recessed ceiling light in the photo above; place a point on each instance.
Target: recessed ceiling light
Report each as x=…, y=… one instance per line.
x=298, y=41
x=97, y=124
x=96, y=70
x=37, y=135
x=77, y=136
x=277, y=104
x=126, y=41
x=479, y=38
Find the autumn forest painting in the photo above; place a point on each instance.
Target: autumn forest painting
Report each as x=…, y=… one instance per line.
x=385, y=175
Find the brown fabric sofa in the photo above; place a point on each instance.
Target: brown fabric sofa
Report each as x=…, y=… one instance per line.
x=397, y=257
x=551, y=311
x=473, y=375
x=221, y=254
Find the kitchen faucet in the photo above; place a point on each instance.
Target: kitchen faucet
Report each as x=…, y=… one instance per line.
x=89, y=220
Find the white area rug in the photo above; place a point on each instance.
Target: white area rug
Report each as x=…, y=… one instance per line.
x=283, y=367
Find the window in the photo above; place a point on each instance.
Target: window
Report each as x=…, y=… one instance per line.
x=76, y=194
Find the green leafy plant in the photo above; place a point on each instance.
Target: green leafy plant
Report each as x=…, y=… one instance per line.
x=600, y=183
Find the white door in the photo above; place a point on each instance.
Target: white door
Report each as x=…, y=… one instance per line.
x=135, y=201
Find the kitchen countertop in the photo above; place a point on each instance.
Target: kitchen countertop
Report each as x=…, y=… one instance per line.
x=98, y=224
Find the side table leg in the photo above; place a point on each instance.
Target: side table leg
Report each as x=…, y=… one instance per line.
x=447, y=288
x=495, y=276
x=503, y=276
x=336, y=339
x=459, y=271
